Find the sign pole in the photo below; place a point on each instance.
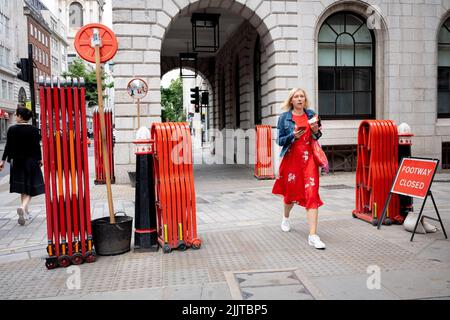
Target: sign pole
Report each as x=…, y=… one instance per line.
x=96, y=41
x=139, y=112
x=31, y=84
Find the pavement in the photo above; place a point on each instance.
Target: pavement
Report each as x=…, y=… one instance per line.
x=244, y=254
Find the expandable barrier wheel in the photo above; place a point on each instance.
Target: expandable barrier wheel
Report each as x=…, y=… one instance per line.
x=100, y=176
x=377, y=164
x=67, y=198
x=174, y=187
x=263, y=153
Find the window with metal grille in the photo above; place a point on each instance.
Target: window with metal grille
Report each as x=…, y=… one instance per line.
x=445, y=155
x=341, y=157
x=346, y=68
x=444, y=70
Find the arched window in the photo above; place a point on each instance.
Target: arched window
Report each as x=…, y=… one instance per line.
x=75, y=15
x=346, y=68
x=257, y=81
x=237, y=93
x=22, y=96
x=444, y=70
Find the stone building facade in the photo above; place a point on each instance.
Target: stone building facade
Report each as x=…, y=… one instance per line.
x=398, y=68
x=12, y=35
x=76, y=13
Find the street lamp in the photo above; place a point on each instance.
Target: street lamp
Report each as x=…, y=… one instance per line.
x=188, y=60
x=205, y=32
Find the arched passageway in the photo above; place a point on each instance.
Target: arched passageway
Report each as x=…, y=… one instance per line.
x=249, y=74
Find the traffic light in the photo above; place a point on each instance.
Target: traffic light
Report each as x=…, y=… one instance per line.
x=205, y=98
x=195, y=96
x=24, y=67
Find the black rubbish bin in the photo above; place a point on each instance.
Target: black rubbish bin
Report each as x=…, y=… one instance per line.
x=111, y=239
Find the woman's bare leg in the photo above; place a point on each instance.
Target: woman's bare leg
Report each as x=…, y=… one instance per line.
x=287, y=209
x=25, y=202
x=312, y=215
x=285, y=226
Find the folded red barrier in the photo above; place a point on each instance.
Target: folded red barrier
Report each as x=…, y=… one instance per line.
x=100, y=176
x=174, y=186
x=63, y=130
x=377, y=164
x=263, y=153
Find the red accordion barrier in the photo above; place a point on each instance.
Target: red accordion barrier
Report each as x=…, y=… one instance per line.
x=174, y=186
x=376, y=167
x=263, y=153
x=100, y=177
x=67, y=199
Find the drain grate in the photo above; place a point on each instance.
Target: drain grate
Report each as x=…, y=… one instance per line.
x=337, y=187
x=269, y=285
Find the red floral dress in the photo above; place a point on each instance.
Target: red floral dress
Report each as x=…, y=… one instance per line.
x=298, y=177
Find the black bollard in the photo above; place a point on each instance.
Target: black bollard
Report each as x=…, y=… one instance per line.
x=145, y=235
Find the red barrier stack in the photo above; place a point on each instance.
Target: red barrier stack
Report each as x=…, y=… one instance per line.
x=67, y=199
x=174, y=186
x=100, y=177
x=263, y=153
x=377, y=165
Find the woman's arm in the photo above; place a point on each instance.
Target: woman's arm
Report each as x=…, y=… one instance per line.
x=7, y=151
x=284, y=136
x=315, y=128
x=37, y=146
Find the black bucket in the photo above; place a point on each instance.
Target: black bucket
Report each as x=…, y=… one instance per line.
x=111, y=239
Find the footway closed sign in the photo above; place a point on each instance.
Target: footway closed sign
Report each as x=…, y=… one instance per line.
x=414, y=177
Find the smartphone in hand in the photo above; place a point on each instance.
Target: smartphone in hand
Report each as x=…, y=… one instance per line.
x=299, y=131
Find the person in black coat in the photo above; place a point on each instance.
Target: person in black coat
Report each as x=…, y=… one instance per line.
x=23, y=152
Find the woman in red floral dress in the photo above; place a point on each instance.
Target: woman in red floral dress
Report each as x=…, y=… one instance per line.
x=298, y=176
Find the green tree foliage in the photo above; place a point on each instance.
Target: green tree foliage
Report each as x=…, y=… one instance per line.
x=78, y=69
x=172, y=102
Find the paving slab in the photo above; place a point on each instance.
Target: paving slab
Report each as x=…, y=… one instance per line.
x=411, y=284
x=268, y=285
x=351, y=287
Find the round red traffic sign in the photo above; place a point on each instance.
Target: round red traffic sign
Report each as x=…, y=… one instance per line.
x=83, y=42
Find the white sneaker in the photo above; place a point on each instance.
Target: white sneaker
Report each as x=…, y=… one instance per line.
x=285, y=226
x=28, y=216
x=314, y=240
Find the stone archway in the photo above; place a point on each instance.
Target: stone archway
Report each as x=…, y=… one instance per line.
x=141, y=31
